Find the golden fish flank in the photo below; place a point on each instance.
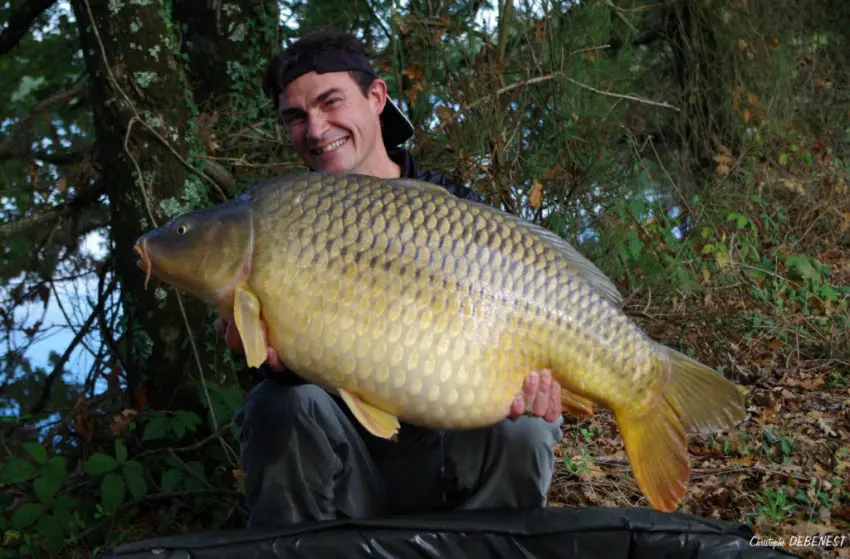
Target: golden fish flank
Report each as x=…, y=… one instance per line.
x=416, y=306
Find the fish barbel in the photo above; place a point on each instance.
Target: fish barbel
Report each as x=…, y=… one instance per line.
x=414, y=305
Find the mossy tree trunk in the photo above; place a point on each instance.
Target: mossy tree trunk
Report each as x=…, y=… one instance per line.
x=139, y=80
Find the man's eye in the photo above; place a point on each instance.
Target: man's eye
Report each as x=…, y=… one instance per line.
x=292, y=118
x=332, y=102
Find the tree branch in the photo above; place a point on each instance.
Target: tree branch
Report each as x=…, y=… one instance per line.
x=50, y=215
x=20, y=21
x=58, y=159
x=47, y=389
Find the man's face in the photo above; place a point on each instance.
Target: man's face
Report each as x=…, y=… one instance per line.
x=332, y=125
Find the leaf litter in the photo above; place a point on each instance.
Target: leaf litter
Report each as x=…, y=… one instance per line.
x=785, y=471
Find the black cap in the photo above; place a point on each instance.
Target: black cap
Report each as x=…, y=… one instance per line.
x=396, y=128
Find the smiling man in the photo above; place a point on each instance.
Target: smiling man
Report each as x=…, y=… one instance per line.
x=304, y=455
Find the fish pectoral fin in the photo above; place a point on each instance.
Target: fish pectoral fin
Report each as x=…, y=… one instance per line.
x=576, y=405
x=658, y=454
x=376, y=421
x=246, y=313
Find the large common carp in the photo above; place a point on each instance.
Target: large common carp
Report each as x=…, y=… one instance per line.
x=415, y=305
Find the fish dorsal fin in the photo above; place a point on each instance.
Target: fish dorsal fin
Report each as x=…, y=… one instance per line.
x=420, y=185
x=578, y=263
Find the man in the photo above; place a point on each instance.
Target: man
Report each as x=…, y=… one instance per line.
x=304, y=455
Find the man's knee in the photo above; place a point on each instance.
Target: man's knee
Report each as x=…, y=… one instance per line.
x=507, y=465
x=527, y=446
x=271, y=403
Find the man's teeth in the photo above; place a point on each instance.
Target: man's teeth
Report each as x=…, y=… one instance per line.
x=332, y=146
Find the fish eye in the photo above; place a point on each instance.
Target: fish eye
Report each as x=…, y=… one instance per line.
x=181, y=229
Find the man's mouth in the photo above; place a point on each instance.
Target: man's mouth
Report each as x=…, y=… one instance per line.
x=330, y=147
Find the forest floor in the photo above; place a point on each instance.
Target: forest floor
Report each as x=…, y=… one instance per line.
x=785, y=471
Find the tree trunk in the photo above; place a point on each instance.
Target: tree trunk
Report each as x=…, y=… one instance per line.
x=135, y=76
x=225, y=42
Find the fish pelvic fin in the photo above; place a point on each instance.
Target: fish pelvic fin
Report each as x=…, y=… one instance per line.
x=576, y=405
x=377, y=421
x=246, y=312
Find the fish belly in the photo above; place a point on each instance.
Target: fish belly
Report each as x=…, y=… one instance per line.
x=431, y=310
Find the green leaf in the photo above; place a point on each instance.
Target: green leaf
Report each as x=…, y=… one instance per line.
x=636, y=208
x=189, y=419
x=17, y=470
x=196, y=481
x=134, y=474
x=178, y=428
x=120, y=451
x=100, y=464
x=155, y=428
x=783, y=159
x=26, y=515
x=58, y=464
x=56, y=470
x=170, y=480
x=46, y=487
x=49, y=528
x=113, y=490
x=36, y=450
x=65, y=502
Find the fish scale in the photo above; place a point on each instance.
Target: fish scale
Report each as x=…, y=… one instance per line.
x=414, y=305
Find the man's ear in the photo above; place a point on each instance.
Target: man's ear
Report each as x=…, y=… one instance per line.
x=378, y=95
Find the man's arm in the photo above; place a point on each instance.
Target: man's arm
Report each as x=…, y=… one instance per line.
x=272, y=367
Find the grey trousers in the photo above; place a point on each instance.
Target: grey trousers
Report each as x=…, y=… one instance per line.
x=306, y=458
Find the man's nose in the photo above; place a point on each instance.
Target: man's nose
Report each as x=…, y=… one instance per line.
x=317, y=125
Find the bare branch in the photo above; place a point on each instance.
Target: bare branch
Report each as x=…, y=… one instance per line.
x=20, y=21
x=32, y=221
x=50, y=215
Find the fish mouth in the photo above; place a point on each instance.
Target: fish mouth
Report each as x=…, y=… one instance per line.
x=144, y=261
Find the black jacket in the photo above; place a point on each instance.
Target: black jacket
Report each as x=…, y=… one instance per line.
x=409, y=170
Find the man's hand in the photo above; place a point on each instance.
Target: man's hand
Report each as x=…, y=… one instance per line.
x=540, y=397
x=234, y=341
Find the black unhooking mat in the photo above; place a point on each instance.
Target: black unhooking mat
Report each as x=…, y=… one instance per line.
x=609, y=533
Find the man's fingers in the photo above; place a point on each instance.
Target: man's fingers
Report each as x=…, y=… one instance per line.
x=541, y=399
x=232, y=338
x=517, y=407
x=555, y=409
x=529, y=391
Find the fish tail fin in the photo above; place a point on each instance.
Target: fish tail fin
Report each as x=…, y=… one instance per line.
x=695, y=399
x=703, y=399
x=658, y=453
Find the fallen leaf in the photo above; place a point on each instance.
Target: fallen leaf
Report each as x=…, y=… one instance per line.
x=745, y=461
x=826, y=427
x=535, y=196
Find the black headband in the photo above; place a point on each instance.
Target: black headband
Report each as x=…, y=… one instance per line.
x=337, y=60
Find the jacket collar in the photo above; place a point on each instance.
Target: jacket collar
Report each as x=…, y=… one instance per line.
x=404, y=159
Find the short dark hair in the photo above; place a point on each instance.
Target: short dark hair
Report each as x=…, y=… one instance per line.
x=312, y=42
